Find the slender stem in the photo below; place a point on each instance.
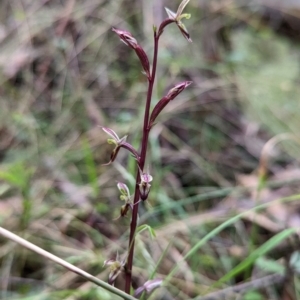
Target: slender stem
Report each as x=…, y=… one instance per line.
x=145, y=137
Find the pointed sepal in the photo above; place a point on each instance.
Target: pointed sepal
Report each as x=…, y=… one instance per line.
x=111, y=133
x=181, y=7
x=113, y=156
x=171, y=14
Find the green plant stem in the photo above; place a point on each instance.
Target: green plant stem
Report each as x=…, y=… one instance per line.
x=65, y=264
x=145, y=137
x=27, y=209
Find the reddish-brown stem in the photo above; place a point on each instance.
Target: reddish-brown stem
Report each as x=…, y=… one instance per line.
x=141, y=165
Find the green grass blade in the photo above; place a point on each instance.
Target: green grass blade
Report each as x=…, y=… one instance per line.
x=222, y=226
x=262, y=250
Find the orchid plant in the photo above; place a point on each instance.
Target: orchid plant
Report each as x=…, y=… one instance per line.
x=143, y=178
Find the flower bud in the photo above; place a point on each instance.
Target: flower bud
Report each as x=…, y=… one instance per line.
x=177, y=89
x=124, y=190
x=127, y=38
x=144, y=185
x=143, y=59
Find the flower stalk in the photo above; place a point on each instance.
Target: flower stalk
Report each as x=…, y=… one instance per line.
x=143, y=179
x=145, y=138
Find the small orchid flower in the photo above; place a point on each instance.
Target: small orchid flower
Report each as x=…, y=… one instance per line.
x=116, y=266
x=125, y=196
x=178, y=16
x=144, y=185
x=114, y=140
x=119, y=143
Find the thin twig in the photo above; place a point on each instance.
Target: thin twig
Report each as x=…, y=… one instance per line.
x=65, y=264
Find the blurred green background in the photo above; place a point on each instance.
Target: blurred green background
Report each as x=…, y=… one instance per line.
x=64, y=73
